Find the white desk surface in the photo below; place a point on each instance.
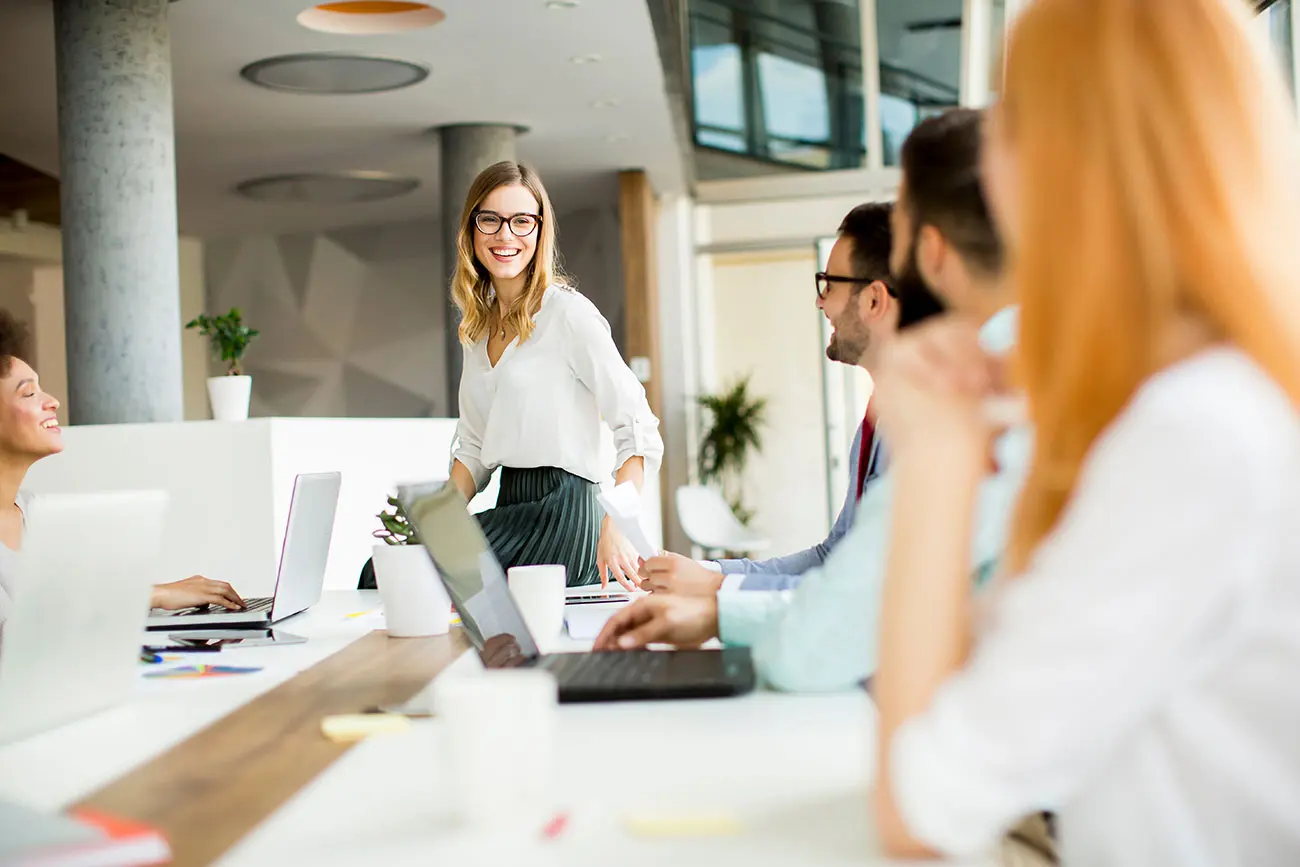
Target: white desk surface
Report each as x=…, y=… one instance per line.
x=53, y=770
x=793, y=770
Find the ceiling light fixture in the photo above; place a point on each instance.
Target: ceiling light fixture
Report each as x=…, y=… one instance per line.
x=370, y=17
x=584, y=59
x=334, y=72
x=562, y=4
x=602, y=104
x=330, y=188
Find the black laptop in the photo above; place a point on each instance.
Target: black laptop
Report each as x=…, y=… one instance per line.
x=477, y=585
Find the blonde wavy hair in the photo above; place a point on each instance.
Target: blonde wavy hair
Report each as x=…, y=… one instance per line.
x=1155, y=148
x=471, y=286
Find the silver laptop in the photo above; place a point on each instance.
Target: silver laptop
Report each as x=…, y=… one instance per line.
x=301, y=575
x=72, y=641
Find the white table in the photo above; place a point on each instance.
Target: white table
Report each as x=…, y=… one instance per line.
x=52, y=770
x=793, y=770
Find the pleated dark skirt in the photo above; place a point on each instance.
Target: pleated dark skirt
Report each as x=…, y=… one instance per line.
x=546, y=516
x=543, y=517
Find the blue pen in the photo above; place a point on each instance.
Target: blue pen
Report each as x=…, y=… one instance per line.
x=146, y=656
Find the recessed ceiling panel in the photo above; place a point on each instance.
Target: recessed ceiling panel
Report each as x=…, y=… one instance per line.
x=332, y=72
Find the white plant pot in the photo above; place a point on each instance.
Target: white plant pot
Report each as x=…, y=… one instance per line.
x=415, y=602
x=229, y=396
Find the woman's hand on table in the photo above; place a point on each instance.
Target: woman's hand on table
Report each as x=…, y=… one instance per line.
x=616, y=557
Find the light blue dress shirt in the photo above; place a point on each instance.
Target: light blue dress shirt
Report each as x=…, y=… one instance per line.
x=786, y=573
x=822, y=637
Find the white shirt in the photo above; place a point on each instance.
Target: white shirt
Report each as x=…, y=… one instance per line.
x=1143, y=677
x=9, y=564
x=541, y=406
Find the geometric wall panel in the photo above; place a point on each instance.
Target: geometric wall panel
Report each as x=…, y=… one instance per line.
x=351, y=322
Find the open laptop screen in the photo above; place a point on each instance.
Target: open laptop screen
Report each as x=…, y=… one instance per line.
x=469, y=570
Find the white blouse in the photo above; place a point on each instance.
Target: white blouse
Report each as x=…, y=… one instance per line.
x=541, y=406
x=9, y=560
x=1142, y=679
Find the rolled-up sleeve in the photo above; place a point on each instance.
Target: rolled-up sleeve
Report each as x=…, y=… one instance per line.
x=468, y=447
x=620, y=397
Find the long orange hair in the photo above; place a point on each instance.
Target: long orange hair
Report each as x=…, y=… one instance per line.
x=1154, y=144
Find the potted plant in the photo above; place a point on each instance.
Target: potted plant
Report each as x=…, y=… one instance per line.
x=230, y=337
x=735, y=418
x=395, y=530
x=415, y=602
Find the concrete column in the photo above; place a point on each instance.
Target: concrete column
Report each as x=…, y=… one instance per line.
x=467, y=149
x=118, y=174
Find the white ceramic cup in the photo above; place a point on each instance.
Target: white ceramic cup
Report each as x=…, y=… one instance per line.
x=539, y=593
x=415, y=602
x=499, y=744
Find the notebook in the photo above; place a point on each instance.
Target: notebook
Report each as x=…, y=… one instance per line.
x=31, y=838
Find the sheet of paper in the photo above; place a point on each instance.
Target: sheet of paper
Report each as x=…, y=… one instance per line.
x=623, y=505
x=586, y=621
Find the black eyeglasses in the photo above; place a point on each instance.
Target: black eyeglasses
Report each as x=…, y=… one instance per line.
x=826, y=281
x=521, y=225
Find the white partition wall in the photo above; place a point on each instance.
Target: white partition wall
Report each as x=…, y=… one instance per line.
x=230, y=484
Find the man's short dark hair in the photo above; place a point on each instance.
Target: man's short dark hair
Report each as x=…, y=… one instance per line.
x=867, y=227
x=941, y=169
x=13, y=341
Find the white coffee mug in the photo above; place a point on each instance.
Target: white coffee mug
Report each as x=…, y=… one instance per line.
x=415, y=602
x=539, y=593
x=499, y=744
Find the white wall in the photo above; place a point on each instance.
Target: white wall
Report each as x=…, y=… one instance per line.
x=679, y=365
x=194, y=349
x=766, y=325
x=49, y=330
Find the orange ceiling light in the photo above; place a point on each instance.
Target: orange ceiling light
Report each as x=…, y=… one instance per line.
x=370, y=17
x=372, y=7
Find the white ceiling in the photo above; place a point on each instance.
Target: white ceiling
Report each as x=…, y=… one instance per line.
x=498, y=62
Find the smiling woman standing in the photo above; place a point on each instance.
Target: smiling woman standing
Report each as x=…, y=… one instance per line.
x=541, y=371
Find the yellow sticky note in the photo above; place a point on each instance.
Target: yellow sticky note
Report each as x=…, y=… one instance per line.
x=349, y=727
x=685, y=825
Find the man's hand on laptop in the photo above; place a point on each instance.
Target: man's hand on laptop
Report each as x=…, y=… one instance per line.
x=673, y=573
x=194, y=592
x=684, y=621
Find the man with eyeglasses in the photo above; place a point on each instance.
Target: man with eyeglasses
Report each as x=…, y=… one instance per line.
x=856, y=295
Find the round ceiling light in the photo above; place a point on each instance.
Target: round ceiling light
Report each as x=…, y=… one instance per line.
x=370, y=17
x=334, y=72
x=328, y=188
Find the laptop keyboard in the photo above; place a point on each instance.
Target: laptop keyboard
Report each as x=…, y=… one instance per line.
x=595, y=670
x=260, y=604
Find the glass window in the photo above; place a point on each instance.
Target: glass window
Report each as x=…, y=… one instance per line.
x=716, y=69
x=779, y=83
x=1279, y=23
x=920, y=64
x=997, y=41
